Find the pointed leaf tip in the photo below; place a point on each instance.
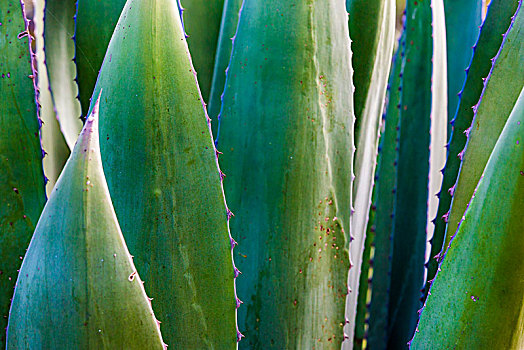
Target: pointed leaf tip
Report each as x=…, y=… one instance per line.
x=86, y=270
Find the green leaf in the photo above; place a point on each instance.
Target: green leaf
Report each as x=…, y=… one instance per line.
x=463, y=19
x=95, y=23
x=163, y=177
x=476, y=301
x=202, y=25
x=228, y=29
x=59, y=49
x=78, y=285
x=488, y=43
x=372, y=28
x=501, y=90
x=22, y=187
x=385, y=188
x=409, y=227
x=288, y=155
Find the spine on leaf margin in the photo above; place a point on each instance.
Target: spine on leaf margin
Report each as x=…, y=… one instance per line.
x=228, y=29
x=293, y=230
x=463, y=19
x=201, y=22
x=409, y=226
x=483, y=268
x=373, y=42
x=53, y=142
x=488, y=43
x=22, y=181
x=59, y=28
x=164, y=180
x=439, y=119
x=499, y=93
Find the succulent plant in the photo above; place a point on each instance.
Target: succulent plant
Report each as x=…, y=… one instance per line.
x=380, y=227
x=343, y=188
x=489, y=117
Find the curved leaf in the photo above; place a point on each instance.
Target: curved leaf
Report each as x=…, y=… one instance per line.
x=463, y=19
x=477, y=299
x=373, y=37
x=439, y=117
x=488, y=43
x=52, y=140
x=59, y=21
x=385, y=188
x=501, y=90
x=370, y=26
x=77, y=269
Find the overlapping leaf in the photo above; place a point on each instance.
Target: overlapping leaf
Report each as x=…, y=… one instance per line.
x=488, y=43
x=162, y=174
x=476, y=301
x=372, y=28
x=77, y=269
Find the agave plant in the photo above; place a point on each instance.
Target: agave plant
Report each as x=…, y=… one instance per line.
x=354, y=149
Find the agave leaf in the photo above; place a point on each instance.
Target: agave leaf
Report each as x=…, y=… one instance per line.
x=201, y=20
x=463, y=19
x=59, y=31
x=228, y=29
x=477, y=299
x=488, y=43
x=162, y=173
x=52, y=139
x=288, y=154
x=384, y=203
x=22, y=186
x=409, y=227
x=373, y=41
x=95, y=23
x=77, y=268
x=501, y=90
x=370, y=24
